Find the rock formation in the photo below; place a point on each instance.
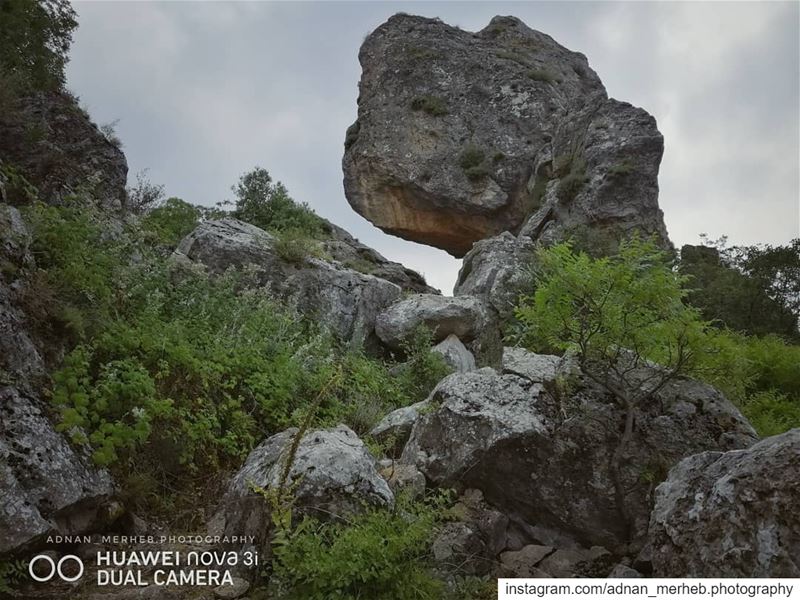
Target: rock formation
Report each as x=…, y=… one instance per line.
x=56, y=146
x=539, y=446
x=345, y=300
x=461, y=136
x=332, y=472
x=731, y=514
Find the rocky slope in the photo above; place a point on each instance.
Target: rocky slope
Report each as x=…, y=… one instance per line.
x=461, y=136
x=482, y=144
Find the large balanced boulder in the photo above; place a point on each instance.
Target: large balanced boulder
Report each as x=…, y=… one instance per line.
x=332, y=474
x=540, y=446
x=344, y=300
x=46, y=486
x=468, y=318
x=731, y=514
x=461, y=136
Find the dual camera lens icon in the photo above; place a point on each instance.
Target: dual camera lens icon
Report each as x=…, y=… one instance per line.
x=56, y=568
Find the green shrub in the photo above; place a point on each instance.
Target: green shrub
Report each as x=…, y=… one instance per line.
x=571, y=184
x=172, y=221
x=381, y=554
x=433, y=105
x=543, y=75
x=268, y=205
x=621, y=168
x=473, y=162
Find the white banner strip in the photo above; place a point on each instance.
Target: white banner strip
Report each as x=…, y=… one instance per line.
x=649, y=589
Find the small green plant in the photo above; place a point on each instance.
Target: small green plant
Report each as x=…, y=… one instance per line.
x=473, y=162
x=172, y=221
x=543, y=75
x=621, y=168
x=381, y=554
x=11, y=574
x=571, y=184
x=294, y=246
x=432, y=105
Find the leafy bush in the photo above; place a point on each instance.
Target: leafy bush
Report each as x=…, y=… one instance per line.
x=381, y=554
x=172, y=221
x=143, y=195
x=473, y=162
x=268, y=205
x=433, y=105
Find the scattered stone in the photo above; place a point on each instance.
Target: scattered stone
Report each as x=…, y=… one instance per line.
x=522, y=563
x=404, y=478
x=466, y=317
x=47, y=487
x=621, y=571
x=538, y=368
x=393, y=430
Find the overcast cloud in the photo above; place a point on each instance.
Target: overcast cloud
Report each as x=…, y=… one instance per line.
x=206, y=91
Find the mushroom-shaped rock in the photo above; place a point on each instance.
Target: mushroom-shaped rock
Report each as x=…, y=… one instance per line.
x=461, y=136
x=332, y=474
x=731, y=514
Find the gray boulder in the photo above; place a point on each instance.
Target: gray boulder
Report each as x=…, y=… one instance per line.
x=465, y=317
x=497, y=269
x=461, y=136
x=332, y=475
x=455, y=354
x=46, y=487
x=396, y=426
x=342, y=299
x=732, y=514
x=537, y=368
x=540, y=451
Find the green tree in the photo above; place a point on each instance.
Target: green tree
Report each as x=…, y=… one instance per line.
x=35, y=36
x=616, y=314
x=750, y=289
x=267, y=204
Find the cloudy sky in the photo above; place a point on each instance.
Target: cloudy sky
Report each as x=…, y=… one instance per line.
x=205, y=91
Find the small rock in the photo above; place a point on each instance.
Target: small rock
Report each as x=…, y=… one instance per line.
x=236, y=589
x=621, y=571
x=595, y=562
x=522, y=563
x=455, y=354
x=404, y=478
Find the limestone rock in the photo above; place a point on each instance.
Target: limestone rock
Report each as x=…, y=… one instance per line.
x=46, y=487
x=731, y=514
x=497, y=269
x=621, y=571
x=455, y=354
x=537, y=368
x=230, y=591
x=396, y=426
x=349, y=252
x=465, y=317
x=55, y=145
x=404, y=478
x=333, y=471
x=344, y=300
x=461, y=136
x=522, y=563
x=540, y=452
x=594, y=562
